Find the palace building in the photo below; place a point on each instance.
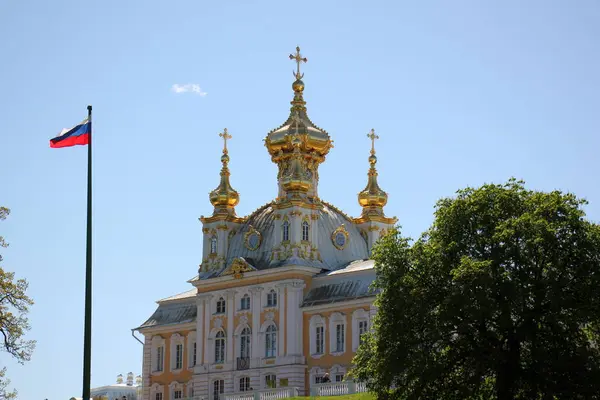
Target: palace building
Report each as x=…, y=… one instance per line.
x=282, y=295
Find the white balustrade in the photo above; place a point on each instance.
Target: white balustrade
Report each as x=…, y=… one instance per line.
x=337, y=388
x=266, y=394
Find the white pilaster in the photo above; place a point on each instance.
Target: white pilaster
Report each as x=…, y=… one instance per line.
x=294, y=318
x=230, y=327
x=256, y=307
x=207, y=313
x=199, y=330
x=281, y=301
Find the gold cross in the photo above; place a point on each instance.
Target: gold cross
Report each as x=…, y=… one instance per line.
x=298, y=58
x=373, y=137
x=225, y=137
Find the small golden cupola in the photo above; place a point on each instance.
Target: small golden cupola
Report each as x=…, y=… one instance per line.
x=372, y=198
x=298, y=146
x=224, y=198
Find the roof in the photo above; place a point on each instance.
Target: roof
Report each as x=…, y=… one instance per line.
x=180, y=296
x=349, y=283
x=170, y=313
x=263, y=220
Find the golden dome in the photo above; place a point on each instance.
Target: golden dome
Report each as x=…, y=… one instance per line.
x=314, y=141
x=372, y=198
x=224, y=198
x=295, y=177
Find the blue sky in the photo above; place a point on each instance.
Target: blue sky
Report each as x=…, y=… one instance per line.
x=461, y=93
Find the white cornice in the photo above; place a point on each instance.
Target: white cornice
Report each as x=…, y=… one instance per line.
x=308, y=271
x=167, y=328
x=339, y=304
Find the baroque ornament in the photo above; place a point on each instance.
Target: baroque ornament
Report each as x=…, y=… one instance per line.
x=339, y=237
x=252, y=239
x=237, y=268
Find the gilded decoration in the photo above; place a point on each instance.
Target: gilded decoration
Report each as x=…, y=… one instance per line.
x=252, y=239
x=339, y=237
x=372, y=196
x=224, y=198
x=298, y=146
x=237, y=268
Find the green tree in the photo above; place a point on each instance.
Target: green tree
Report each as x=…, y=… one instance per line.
x=14, y=305
x=499, y=299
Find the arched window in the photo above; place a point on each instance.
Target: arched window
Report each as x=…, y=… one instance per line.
x=305, y=231
x=245, y=302
x=213, y=245
x=245, y=338
x=272, y=298
x=221, y=306
x=286, y=231
x=220, y=347
x=271, y=341
x=244, y=384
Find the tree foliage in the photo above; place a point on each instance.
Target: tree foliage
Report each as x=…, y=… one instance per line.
x=499, y=299
x=14, y=306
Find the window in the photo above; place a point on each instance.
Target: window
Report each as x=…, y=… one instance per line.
x=272, y=298
x=245, y=302
x=320, y=379
x=221, y=306
x=177, y=394
x=160, y=359
x=271, y=342
x=305, y=230
x=339, y=337
x=363, y=326
x=213, y=245
x=320, y=340
x=220, y=347
x=244, y=384
x=339, y=377
x=317, y=334
x=286, y=231
x=245, y=343
x=270, y=381
x=158, y=396
x=178, y=356
x=218, y=388
x=194, y=355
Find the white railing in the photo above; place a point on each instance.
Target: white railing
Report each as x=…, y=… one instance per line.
x=337, y=388
x=266, y=394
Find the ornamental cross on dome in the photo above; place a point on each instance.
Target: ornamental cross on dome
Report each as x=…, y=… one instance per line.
x=373, y=137
x=299, y=59
x=226, y=136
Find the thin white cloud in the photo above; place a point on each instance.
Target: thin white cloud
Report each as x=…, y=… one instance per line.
x=188, y=88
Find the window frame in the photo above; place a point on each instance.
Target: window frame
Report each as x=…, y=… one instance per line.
x=245, y=387
x=245, y=303
x=272, y=298
x=271, y=341
x=335, y=320
x=315, y=322
x=267, y=380
x=221, y=305
x=220, y=346
x=305, y=231
x=285, y=231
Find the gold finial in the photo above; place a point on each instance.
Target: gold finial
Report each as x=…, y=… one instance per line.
x=226, y=136
x=373, y=137
x=224, y=197
x=372, y=198
x=299, y=59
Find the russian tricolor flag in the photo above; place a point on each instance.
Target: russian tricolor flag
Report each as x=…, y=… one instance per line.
x=78, y=135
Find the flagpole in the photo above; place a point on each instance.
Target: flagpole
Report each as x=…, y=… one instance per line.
x=87, y=330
